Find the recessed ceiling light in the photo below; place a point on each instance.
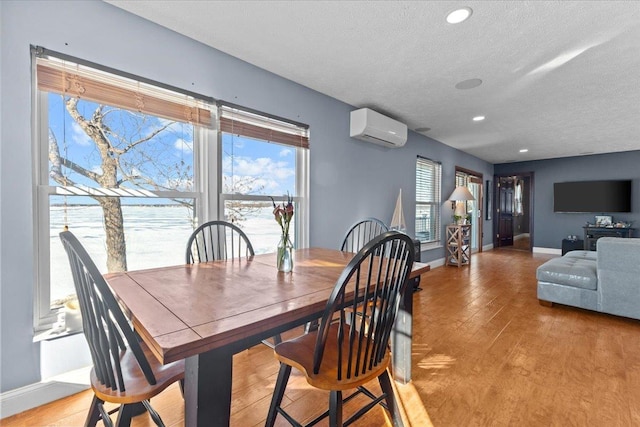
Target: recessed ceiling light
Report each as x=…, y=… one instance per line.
x=468, y=84
x=459, y=15
x=524, y=150
x=423, y=129
x=478, y=118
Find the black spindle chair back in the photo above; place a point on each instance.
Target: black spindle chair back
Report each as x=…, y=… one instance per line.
x=106, y=328
x=351, y=345
x=378, y=275
x=124, y=370
x=217, y=240
x=361, y=233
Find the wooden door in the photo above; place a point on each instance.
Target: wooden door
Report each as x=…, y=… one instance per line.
x=505, y=211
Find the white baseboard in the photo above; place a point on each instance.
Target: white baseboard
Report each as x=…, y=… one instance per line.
x=552, y=251
x=436, y=262
x=31, y=396
x=487, y=247
x=441, y=261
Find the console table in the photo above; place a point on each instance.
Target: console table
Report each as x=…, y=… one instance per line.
x=593, y=233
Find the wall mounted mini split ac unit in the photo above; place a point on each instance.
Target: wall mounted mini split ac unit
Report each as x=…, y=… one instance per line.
x=371, y=126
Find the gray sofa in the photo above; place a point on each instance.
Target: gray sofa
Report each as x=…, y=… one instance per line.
x=607, y=280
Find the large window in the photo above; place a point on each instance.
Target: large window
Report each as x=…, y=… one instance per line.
x=428, y=178
x=131, y=167
x=117, y=164
x=264, y=160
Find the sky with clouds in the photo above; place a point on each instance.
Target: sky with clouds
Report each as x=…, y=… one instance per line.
x=268, y=167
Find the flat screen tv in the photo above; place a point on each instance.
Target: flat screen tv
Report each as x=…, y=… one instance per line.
x=592, y=196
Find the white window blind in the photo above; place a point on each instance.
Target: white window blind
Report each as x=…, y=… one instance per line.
x=462, y=179
x=428, y=188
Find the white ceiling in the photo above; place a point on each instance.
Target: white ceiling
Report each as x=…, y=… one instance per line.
x=561, y=78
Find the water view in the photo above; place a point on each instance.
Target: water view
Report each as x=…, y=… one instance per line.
x=156, y=236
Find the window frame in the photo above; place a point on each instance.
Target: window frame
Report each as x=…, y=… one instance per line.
x=300, y=200
x=207, y=192
x=423, y=163
x=205, y=203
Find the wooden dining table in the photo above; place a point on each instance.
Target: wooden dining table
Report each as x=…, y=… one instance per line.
x=205, y=313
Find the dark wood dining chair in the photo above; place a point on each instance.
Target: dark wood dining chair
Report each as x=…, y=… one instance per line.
x=346, y=352
x=356, y=237
x=125, y=372
x=360, y=233
x=217, y=240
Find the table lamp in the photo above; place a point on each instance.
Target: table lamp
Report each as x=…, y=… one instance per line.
x=460, y=194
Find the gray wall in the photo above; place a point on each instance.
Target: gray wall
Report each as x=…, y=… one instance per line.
x=550, y=228
x=350, y=179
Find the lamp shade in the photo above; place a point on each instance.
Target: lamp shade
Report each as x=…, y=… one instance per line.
x=461, y=194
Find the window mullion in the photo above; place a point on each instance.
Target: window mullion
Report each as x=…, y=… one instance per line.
x=206, y=177
x=302, y=186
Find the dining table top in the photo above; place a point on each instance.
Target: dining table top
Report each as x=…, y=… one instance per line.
x=185, y=310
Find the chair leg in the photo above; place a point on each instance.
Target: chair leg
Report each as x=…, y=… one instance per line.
x=124, y=415
x=335, y=408
x=387, y=388
x=311, y=326
x=277, y=339
x=278, y=393
x=94, y=412
x=153, y=413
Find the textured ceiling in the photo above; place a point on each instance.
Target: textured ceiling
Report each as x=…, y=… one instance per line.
x=560, y=78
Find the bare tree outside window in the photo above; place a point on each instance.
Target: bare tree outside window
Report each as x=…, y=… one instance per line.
x=121, y=150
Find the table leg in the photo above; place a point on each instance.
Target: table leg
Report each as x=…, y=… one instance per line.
x=207, y=389
x=401, y=339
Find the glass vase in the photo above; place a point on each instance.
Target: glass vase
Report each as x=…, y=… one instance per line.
x=284, y=255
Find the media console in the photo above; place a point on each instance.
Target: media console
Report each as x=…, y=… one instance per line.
x=593, y=233
x=569, y=245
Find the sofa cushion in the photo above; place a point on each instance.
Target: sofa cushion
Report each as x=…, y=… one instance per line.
x=568, y=295
x=582, y=254
x=570, y=271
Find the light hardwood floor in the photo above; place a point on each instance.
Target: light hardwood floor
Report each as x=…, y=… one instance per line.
x=485, y=353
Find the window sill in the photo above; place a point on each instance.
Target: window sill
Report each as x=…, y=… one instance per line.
x=51, y=334
x=430, y=246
